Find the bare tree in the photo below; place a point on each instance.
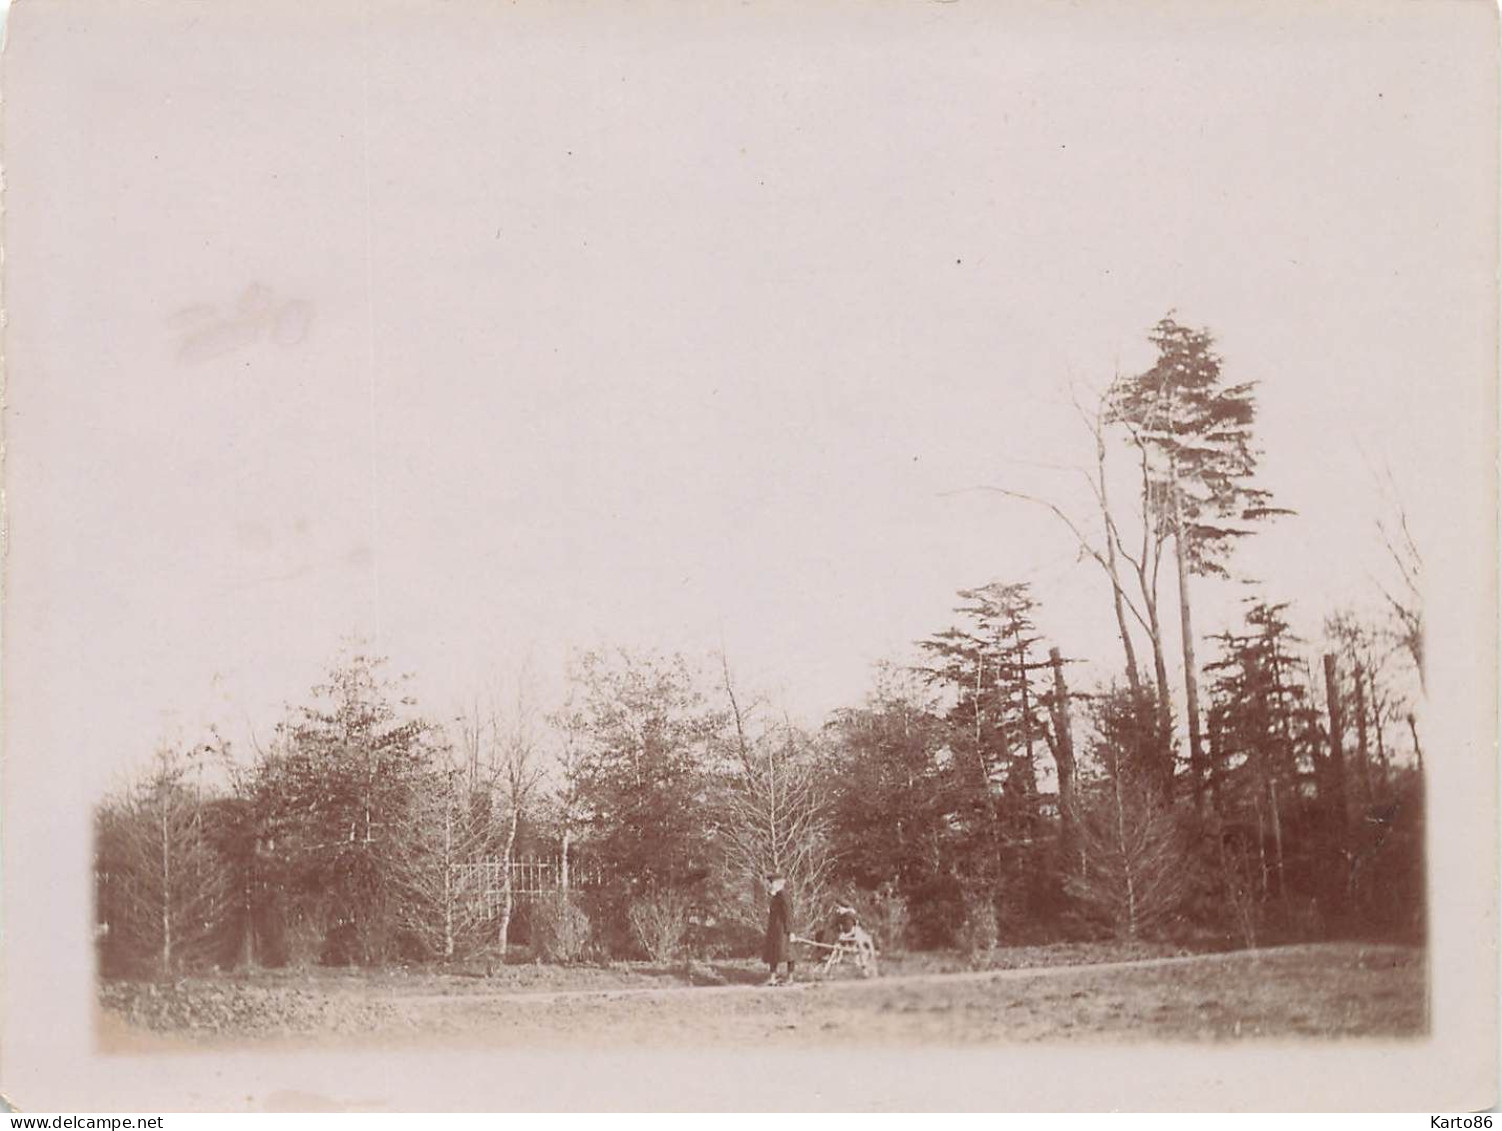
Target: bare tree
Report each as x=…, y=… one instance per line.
x=164, y=887
x=1146, y=560
x=517, y=775
x=1370, y=685
x=566, y=795
x=776, y=814
x=1405, y=594
x=1132, y=875
x=448, y=909
x=1125, y=549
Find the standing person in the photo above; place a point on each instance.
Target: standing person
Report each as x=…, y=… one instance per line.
x=777, y=949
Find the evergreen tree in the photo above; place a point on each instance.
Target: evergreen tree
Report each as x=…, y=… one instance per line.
x=892, y=822
x=1196, y=431
x=988, y=670
x=343, y=794
x=646, y=740
x=1133, y=875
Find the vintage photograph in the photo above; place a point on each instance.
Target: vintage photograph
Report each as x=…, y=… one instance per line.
x=801, y=529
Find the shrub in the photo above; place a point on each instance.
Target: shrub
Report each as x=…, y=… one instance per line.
x=978, y=933
x=1134, y=877
x=1242, y=909
x=935, y=908
x=299, y=936
x=560, y=929
x=884, y=913
x=659, y=921
x=712, y=935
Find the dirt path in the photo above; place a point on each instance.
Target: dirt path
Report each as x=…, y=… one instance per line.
x=1332, y=990
x=1021, y=973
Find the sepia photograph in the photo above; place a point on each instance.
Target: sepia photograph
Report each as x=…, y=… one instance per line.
x=560, y=555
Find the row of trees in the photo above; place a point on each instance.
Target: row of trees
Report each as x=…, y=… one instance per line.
x=993, y=790
x=367, y=833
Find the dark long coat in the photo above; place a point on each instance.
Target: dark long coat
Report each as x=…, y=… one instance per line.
x=779, y=925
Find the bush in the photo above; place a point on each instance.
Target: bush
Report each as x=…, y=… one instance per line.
x=978, y=933
x=711, y=935
x=560, y=929
x=298, y=936
x=935, y=907
x=659, y=921
x=1242, y=910
x=884, y=913
x=1135, y=874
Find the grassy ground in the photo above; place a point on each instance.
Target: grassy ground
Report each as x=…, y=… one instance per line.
x=1027, y=994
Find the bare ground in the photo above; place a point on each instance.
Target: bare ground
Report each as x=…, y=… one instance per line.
x=1029, y=994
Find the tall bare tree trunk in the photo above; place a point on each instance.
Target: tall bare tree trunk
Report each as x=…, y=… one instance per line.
x=1363, y=757
x=1214, y=749
x=983, y=763
x=1261, y=838
x=1337, y=751
x=507, y=893
x=448, y=877
x=1286, y=758
x=1164, y=776
x=1377, y=728
x=1063, y=752
x=1134, y=677
x=772, y=810
x=166, y=892
x=1191, y=669
x=1027, y=714
x=1146, y=568
x=1268, y=768
x=1277, y=819
x=248, y=937
x=1029, y=767
x=1337, y=813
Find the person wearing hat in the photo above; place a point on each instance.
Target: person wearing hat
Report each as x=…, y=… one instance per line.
x=777, y=949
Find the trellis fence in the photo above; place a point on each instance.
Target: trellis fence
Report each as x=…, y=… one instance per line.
x=530, y=878
x=483, y=881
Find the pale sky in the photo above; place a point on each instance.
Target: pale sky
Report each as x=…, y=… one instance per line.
x=664, y=329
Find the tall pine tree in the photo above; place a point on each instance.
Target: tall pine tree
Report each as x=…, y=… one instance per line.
x=1197, y=432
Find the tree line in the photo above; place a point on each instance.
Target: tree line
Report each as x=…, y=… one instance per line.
x=992, y=790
